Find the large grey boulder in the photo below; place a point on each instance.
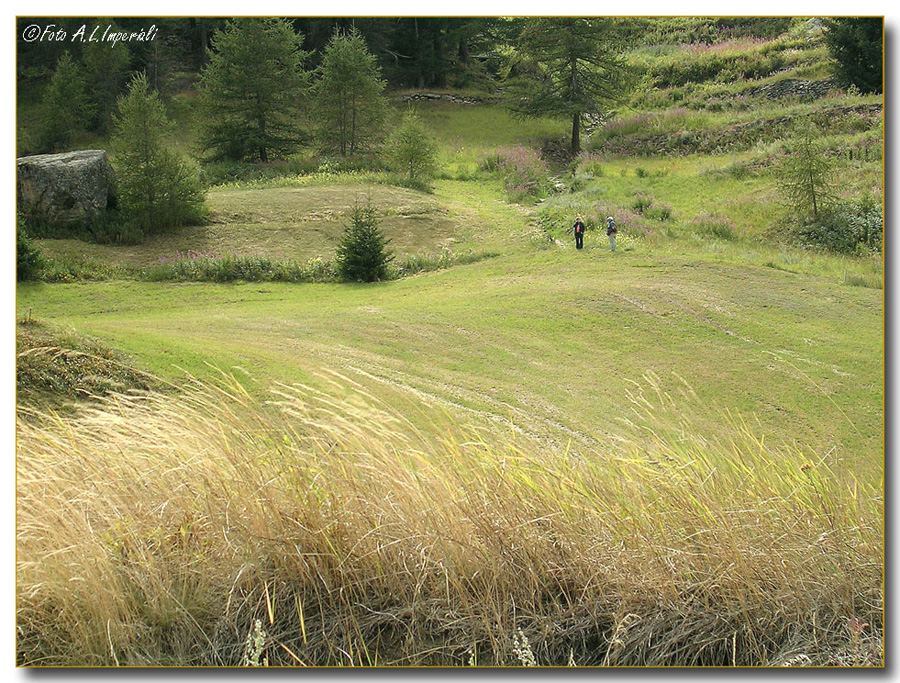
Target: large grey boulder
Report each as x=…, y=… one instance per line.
x=67, y=188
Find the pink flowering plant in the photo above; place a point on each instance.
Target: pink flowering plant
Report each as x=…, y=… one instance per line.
x=524, y=172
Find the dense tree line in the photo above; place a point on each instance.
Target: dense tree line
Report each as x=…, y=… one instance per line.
x=565, y=67
x=412, y=52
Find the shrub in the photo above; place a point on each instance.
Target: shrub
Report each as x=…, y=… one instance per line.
x=110, y=227
x=73, y=269
x=847, y=227
x=641, y=202
x=444, y=258
x=195, y=266
x=28, y=258
x=591, y=164
x=363, y=255
x=525, y=175
x=713, y=225
x=412, y=152
x=660, y=212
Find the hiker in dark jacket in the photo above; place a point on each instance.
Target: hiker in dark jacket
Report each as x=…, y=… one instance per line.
x=578, y=228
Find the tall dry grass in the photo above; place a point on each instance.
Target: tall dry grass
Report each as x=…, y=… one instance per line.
x=215, y=529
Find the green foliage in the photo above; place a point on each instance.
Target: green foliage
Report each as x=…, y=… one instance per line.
x=75, y=269
x=806, y=175
x=363, y=255
x=524, y=173
x=28, y=258
x=857, y=46
x=713, y=225
x=251, y=90
x=412, y=152
x=157, y=189
x=65, y=109
x=443, y=258
x=350, y=107
x=574, y=66
x=721, y=62
x=107, y=227
x=202, y=267
x=645, y=205
x=115, y=227
x=848, y=227
x=106, y=69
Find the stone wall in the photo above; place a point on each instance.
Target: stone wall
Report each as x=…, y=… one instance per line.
x=793, y=87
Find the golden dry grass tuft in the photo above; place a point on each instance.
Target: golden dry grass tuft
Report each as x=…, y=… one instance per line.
x=215, y=529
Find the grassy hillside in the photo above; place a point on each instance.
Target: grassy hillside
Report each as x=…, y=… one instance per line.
x=539, y=338
x=668, y=455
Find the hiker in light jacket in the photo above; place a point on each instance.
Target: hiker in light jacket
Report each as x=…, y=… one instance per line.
x=611, y=229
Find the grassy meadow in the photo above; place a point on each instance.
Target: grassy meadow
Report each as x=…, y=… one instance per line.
x=670, y=455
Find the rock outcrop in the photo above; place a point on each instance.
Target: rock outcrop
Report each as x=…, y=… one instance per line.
x=793, y=87
x=65, y=189
x=442, y=97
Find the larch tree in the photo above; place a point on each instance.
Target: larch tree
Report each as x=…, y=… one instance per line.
x=805, y=175
x=252, y=90
x=412, y=152
x=572, y=66
x=350, y=105
x=65, y=106
x=157, y=189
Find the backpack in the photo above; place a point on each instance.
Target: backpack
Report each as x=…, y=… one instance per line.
x=579, y=228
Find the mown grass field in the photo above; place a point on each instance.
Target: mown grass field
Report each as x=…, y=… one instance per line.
x=549, y=338
x=668, y=455
x=296, y=222
x=671, y=351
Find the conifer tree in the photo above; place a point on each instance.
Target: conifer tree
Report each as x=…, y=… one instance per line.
x=156, y=188
x=805, y=176
x=412, y=151
x=251, y=90
x=857, y=46
x=106, y=69
x=363, y=254
x=65, y=108
x=350, y=106
x=577, y=67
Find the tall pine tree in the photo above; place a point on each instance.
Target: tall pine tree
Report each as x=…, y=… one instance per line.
x=106, y=69
x=350, y=106
x=857, y=46
x=65, y=107
x=156, y=188
x=251, y=90
x=577, y=67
